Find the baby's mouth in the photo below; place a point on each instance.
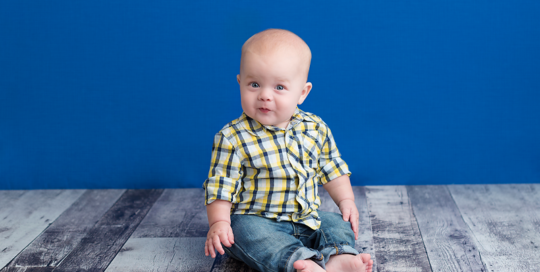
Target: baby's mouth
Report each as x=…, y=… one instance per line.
x=264, y=110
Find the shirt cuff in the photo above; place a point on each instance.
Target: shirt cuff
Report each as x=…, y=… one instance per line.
x=221, y=188
x=334, y=169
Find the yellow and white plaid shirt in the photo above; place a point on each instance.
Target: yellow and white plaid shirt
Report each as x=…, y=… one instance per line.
x=274, y=172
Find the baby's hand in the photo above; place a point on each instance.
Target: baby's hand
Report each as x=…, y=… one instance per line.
x=219, y=233
x=350, y=213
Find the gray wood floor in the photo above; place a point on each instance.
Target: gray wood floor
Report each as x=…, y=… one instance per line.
x=404, y=228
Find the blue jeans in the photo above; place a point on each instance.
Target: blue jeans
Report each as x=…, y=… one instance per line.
x=267, y=245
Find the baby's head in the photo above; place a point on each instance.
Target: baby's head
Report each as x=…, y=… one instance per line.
x=273, y=76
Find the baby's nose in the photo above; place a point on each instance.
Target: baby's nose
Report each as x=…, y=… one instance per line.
x=265, y=95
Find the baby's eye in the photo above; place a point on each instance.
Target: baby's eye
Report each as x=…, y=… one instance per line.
x=280, y=87
x=255, y=85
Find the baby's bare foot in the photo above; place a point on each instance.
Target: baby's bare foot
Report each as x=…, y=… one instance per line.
x=307, y=266
x=366, y=258
x=350, y=263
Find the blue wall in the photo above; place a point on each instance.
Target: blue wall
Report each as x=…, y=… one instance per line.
x=129, y=94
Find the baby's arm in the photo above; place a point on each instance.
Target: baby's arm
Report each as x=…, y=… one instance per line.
x=340, y=190
x=219, y=219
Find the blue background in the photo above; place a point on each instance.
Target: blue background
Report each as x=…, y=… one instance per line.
x=129, y=94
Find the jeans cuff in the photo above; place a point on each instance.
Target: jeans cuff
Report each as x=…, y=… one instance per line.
x=320, y=258
x=304, y=253
x=337, y=250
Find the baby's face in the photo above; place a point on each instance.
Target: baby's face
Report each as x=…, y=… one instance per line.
x=271, y=85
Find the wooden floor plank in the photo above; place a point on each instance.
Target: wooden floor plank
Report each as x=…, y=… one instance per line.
x=177, y=213
x=398, y=244
x=30, y=214
x=55, y=243
x=8, y=199
x=505, y=220
x=24, y=269
x=449, y=243
x=365, y=235
x=161, y=255
x=101, y=244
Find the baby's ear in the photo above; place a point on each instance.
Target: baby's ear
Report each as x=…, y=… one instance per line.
x=305, y=92
x=238, y=78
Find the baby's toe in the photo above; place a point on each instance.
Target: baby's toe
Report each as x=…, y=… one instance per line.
x=306, y=266
x=366, y=258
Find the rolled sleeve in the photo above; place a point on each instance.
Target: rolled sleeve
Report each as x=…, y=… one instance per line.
x=330, y=162
x=225, y=172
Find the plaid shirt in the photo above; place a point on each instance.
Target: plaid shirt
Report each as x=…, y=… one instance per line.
x=274, y=172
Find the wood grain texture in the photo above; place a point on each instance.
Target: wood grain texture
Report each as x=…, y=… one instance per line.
x=398, y=244
x=29, y=215
x=55, y=243
x=177, y=213
x=25, y=269
x=449, y=243
x=8, y=199
x=103, y=241
x=162, y=255
x=505, y=220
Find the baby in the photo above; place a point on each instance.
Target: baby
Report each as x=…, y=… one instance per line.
x=261, y=193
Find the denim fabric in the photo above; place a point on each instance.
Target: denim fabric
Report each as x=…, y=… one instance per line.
x=268, y=245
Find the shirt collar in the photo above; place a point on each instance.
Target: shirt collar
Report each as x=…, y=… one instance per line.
x=257, y=129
